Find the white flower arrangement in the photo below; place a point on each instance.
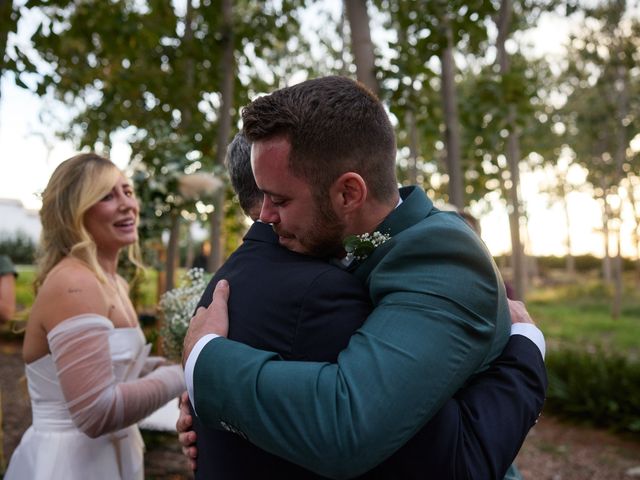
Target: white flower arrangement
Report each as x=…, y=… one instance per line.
x=177, y=306
x=359, y=247
x=199, y=184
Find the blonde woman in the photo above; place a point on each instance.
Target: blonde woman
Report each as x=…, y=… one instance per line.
x=83, y=348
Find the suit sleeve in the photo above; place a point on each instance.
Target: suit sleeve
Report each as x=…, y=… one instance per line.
x=434, y=324
x=515, y=386
x=478, y=433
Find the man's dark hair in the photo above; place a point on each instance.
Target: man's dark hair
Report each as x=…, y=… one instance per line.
x=335, y=125
x=238, y=162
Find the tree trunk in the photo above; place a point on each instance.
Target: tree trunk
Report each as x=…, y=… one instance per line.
x=414, y=148
x=635, y=234
x=361, y=44
x=224, y=132
x=570, y=261
x=622, y=110
x=606, y=261
x=172, y=251
x=190, y=252
x=451, y=121
x=513, y=158
x=616, y=301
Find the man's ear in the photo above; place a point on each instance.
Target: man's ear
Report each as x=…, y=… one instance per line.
x=348, y=193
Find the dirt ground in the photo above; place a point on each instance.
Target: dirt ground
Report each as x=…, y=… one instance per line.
x=552, y=451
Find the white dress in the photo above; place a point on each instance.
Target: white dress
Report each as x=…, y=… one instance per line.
x=54, y=448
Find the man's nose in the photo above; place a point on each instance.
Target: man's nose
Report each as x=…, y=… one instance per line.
x=269, y=213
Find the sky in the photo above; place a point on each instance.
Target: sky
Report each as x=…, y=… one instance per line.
x=29, y=153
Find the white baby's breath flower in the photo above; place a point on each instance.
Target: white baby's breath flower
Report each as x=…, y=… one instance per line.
x=358, y=247
x=177, y=307
x=195, y=185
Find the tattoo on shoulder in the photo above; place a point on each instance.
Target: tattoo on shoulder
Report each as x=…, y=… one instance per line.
x=74, y=290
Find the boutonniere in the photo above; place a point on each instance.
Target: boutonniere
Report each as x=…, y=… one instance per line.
x=359, y=247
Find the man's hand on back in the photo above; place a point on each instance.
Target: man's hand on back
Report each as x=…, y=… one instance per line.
x=213, y=319
x=519, y=313
x=186, y=435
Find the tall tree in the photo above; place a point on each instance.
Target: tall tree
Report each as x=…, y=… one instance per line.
x=150, y=68
x=602, y=114
x=224, y=128
x=428, y=36
x=451, y=118
x=361, y=44
x=512, y=153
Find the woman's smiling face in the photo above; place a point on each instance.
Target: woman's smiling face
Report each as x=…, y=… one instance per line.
x=113, y=221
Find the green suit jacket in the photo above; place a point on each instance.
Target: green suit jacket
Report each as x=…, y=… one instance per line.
x=440, y=316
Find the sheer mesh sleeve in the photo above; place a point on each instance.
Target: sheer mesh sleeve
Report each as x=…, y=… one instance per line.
x=151, y=363
x=98, y=404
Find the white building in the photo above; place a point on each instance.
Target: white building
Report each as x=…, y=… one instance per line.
x=14, y=217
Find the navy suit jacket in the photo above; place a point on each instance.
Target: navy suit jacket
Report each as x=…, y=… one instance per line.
x=313, y=309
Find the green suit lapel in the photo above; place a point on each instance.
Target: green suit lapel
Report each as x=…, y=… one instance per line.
x=415, y=207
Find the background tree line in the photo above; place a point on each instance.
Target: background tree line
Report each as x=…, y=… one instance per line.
x=472, y=104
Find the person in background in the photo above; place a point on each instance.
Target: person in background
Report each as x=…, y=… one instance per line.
x=8, y=275
x=84, y=351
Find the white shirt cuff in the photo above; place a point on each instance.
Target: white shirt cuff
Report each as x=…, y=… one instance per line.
x=190, y=365
x=532, y=332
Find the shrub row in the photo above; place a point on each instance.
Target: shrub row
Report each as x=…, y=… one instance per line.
x=583, y=263
x=18, y=247
x=597, y=388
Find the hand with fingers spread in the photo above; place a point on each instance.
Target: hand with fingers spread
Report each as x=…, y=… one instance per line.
x=211, y=320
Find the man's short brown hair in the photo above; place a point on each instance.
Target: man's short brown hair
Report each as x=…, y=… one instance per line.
x=335, y=125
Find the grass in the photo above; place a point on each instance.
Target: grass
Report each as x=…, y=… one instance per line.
x=24, y=286
x=573, y=314
x=579, y=315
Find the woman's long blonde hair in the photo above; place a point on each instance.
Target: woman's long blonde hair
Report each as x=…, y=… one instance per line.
x=75, y=186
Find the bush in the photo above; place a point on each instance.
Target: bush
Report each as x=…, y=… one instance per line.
x=19, y=248
x=597, y=388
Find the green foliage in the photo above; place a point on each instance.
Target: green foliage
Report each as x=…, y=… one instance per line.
x=595, y=387
x=578, y=315
x=602, y=82
x=593, y=361
x=583, y=263
x=411, y=78
x=9, y=16
x=18, y=247
x=24, y=287
x=177, y=306
x=153, y=72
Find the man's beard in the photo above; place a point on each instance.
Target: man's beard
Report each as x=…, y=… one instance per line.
x=324, y=238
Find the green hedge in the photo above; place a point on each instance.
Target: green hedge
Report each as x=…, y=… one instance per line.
x=597, y=388
x=583, y=263
x=18, y=247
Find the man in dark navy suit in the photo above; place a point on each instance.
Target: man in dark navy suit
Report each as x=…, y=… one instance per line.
x=311, y=306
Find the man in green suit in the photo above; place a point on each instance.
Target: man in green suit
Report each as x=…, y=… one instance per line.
x=324, y=157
